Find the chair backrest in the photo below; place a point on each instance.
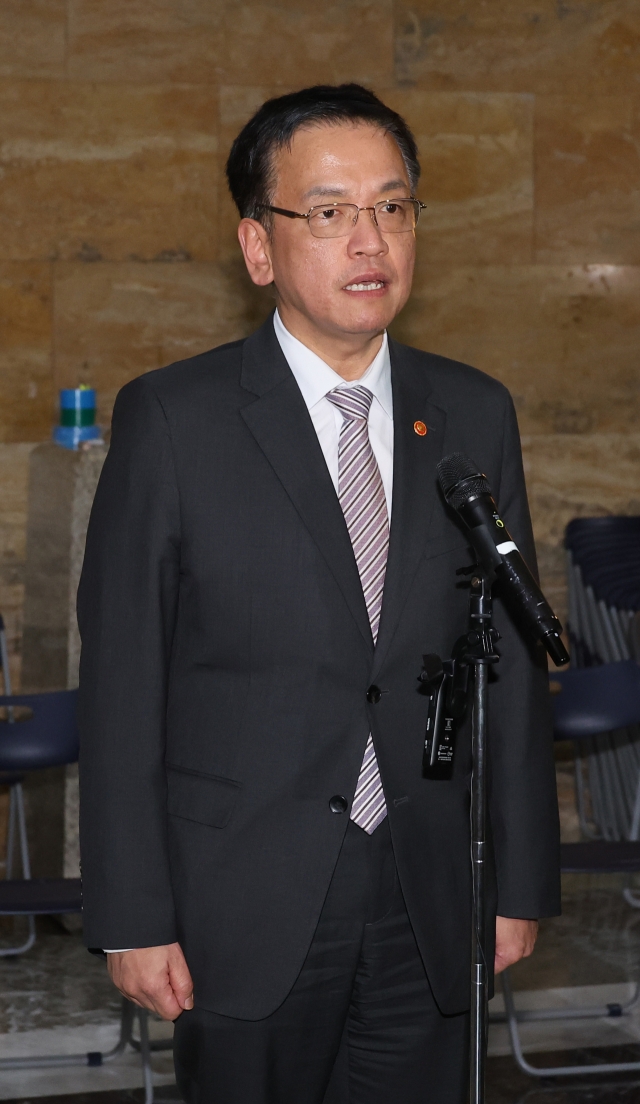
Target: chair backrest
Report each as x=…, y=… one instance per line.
x=49, y=738
x=592, y=700
x=607, y=552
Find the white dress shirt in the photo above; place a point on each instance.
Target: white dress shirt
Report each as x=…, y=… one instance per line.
x=315, y=378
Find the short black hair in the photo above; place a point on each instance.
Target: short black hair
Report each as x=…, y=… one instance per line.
x=250, y=170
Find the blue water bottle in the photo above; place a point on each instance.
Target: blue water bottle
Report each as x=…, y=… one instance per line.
x=77, y=417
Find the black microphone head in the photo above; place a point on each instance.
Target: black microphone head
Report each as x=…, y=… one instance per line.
x=460, y=479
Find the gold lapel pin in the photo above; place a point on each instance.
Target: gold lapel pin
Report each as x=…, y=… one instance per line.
x=419, y=428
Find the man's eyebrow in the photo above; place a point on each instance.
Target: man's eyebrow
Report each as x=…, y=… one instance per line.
x=323, y=191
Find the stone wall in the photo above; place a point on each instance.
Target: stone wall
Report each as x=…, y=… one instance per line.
x=117, y=248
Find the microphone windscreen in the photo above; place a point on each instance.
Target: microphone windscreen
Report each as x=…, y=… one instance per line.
x=460, y=479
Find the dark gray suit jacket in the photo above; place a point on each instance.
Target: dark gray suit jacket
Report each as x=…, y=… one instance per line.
x=226, y=655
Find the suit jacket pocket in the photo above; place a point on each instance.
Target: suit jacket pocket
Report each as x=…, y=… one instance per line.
x=204, y=798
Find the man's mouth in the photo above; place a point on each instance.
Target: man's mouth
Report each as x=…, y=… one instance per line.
x=370, y=285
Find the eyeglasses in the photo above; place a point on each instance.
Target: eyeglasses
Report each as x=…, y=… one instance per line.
x=336, y=220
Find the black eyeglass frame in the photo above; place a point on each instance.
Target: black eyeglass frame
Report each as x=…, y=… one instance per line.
x=418, y=206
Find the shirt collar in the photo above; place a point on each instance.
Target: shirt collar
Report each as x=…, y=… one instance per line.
x=315, y=378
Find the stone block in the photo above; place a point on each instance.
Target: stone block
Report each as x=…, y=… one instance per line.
x=116, y=321
x=145, y=40
x=298, y=44
x=32, y=38
x=14, y=479
x=568, y=476
x=564, y=339
x=93, y=171
x=588, y=179
x=26, y=386
x=517, y=46
x=61, y=488
x=476, y=153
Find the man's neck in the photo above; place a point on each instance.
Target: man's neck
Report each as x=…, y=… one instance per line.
x=348, y=354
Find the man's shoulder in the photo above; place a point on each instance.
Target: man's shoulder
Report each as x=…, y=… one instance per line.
x=184, y=381
x=450, y=380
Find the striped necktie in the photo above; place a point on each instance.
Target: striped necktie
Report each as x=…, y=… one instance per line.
x=364, y=506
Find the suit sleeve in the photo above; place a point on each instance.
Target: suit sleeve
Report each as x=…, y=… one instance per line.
x=523, y=796
x=126, y=610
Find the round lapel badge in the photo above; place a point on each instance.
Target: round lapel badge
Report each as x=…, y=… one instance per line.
x=419, y=428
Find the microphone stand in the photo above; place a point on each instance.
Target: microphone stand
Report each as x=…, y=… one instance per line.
x=478, y=654
x=448, y=687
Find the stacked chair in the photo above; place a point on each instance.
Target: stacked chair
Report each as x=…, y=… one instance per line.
x=597, y=707
x=603, y=569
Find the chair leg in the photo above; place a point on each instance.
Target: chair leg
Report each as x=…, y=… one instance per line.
x=127, y=1013
x=25, y=861
x=581, y=804
x=18, y=820
x=630, y=897
x=145, y=1055
x=89, y=1058
x=11, y=831
x=550, y=1071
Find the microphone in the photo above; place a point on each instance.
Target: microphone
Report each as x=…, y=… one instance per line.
x=467, y=491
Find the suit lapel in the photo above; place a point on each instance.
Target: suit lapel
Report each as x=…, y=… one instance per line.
x=415, y=488
x=279, y=421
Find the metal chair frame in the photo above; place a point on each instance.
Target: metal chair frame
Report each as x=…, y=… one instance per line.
x=513, y=1018
x=608, y=856
x=17, y=821
x=610, y=634
x=50, y=903
x=95, y=1058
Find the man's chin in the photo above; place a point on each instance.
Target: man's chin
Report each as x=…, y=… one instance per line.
x=363, y=318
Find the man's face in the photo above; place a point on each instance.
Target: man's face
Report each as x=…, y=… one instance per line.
x=316, y=279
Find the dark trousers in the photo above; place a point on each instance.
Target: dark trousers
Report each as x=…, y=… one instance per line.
x=360, y=1025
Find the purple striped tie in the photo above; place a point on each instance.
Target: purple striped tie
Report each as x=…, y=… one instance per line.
x=364, y=506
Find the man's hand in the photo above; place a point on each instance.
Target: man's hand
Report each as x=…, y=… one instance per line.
x=156, y=978
x=515, y=939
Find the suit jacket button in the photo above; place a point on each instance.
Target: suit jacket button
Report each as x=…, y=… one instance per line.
x=373, y=695
x=338, y=804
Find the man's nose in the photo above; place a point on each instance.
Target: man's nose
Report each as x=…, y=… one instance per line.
x=366, y=237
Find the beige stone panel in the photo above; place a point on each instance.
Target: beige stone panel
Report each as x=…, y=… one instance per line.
x=294, y=43
x=237, y=104
x=26, y=388
x=517, y=46
x=14, y=478
x=32, y=38
x=145, y=40
x=115, y=321
x=563, y=339
x=106, y=171
x=570, y=476
x=588, y=179
x=476, y=153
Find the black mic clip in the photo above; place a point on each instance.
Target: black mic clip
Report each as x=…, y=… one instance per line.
x=446, y=682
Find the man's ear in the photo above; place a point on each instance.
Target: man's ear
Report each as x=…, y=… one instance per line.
x=255, y=245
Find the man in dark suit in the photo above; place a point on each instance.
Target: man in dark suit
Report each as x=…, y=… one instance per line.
x=268, y=559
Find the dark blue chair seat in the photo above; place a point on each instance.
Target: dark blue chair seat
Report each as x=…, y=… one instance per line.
x=593, y=700
x=49, y=738
x=40, y=896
